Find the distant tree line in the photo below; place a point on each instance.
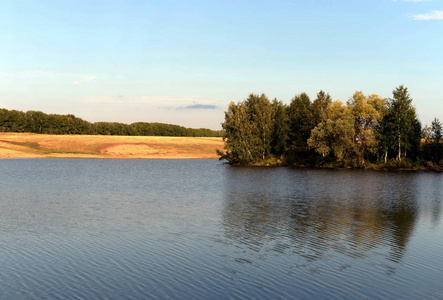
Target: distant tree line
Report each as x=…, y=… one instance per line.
x=365, y=130
x=39, y=122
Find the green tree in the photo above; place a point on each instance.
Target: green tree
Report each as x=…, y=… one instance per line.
x=399, y=129
x=248, y=130
x=386, y=136
x=259, y=111
x=280, y=128
x=366, y=118
x=433, y=148
x=436, y=133
x=319, y=107
x=335, y=134
x=36, y=121
x=237, y=134
x=12, y=120
x=301, y=121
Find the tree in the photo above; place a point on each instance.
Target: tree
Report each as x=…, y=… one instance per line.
x=319, y=107
x=36, y=121
x=414, y=140
x=248, y=130
x=259, y=111
x=12, y=120
x=280, y=128
x=378, y=103
x=433, y=147
x=237, y=134
x=335, y=134
x=366, y=118
x=399, y=129
x=367, y=128
x=301, y=121
x=436, y=133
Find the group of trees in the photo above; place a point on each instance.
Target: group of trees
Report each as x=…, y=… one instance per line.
x=39, y=122
x=364, y=130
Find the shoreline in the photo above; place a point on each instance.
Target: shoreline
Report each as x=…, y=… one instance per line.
x=374, y=168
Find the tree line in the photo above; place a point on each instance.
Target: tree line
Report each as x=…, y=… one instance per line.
x=39, y=122
x=364, y=131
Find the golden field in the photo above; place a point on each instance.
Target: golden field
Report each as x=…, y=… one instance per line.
x=29, y=145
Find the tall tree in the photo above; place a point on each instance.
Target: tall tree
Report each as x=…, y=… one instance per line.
x=319, y=107
x=301, y=121
x=399, y=123
x=259, y=110
x=248, y=130
x=366, y=118
x=433, y=147
x=436, y=133
x=280, y=128
x=237, y=134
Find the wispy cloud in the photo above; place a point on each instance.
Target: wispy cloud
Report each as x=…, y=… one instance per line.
x=162, y=103
x=70, y=77
x=200, y=106
x=434, y=15
x=194, y=106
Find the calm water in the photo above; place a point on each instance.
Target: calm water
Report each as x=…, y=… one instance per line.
x=198, y=229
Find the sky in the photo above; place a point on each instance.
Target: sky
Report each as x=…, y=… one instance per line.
x=183, y=62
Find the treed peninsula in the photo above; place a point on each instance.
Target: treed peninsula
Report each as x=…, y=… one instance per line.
x=365, y=132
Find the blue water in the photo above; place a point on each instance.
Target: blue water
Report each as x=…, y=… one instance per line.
x=199, y=229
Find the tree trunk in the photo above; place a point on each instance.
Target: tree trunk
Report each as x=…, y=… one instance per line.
x=399, y=149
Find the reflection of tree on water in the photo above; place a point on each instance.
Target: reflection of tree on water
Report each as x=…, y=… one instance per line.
x=317, y=216
x=400, y=221
x=431, y=189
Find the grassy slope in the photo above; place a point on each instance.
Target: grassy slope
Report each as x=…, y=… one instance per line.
x=22, y=145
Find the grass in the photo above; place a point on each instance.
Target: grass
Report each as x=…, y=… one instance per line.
x=23, y=145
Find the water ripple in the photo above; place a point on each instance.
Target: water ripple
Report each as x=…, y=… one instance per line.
x=91, y=229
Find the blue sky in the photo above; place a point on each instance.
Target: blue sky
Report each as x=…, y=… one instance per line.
x=182, y=62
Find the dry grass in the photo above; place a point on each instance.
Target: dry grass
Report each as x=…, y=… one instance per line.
x=28, y=145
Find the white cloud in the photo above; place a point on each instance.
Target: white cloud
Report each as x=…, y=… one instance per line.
x=434, y=15
x=83, y=78
x=72, y=78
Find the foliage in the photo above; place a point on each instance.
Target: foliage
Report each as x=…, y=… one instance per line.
x=237, y=135
x=400, y=130
x=335, y=133
x=280, y=129
x=301, y=121
x=433, y=148
x=436, y=131
x=366, y=111
x=320, y=105
x=248, y=130
x=367, y=131
x=39, y=122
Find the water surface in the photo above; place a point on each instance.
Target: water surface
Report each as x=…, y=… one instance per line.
x=174, y=229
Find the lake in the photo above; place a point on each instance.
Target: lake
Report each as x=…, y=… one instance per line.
x=200, y=229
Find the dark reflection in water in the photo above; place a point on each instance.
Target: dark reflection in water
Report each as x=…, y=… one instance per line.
x=331, y=220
